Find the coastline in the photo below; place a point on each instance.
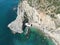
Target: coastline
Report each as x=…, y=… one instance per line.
x=20, y=14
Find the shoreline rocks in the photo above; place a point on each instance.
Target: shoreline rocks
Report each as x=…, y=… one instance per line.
x=38, y=20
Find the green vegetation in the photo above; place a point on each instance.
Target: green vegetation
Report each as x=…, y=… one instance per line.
x=50, y=7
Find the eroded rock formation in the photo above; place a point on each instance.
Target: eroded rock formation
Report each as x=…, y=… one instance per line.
x=38, y=19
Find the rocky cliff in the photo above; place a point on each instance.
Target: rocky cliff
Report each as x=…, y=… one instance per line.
x=37, y=18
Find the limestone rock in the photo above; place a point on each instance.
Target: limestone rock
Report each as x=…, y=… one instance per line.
x=43, y=20
x=37, y=19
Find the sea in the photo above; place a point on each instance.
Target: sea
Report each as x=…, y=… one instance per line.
x=9, y=14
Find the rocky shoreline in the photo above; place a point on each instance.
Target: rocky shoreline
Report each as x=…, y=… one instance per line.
x=36, y=19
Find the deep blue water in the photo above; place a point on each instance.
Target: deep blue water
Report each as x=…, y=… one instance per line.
x=7, y=15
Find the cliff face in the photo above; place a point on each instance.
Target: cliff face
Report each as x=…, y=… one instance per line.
x=38, y=19
x=41, y=19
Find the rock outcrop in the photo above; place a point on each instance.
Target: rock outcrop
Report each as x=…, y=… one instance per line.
x=36, y=19
x=43, y=20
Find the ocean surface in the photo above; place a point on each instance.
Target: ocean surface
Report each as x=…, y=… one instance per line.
x=7, y=15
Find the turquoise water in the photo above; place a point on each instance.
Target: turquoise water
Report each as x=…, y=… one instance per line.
x=34, y=37
x=7, y=14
